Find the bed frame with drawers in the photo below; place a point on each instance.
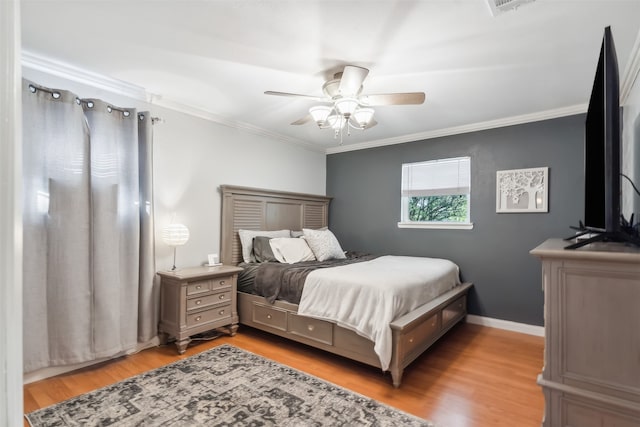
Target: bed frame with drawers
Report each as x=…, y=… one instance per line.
x=258, y=209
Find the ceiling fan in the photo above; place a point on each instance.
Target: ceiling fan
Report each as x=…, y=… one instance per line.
x=348, y=106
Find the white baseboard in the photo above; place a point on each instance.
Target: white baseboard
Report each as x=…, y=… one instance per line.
x=506, y=324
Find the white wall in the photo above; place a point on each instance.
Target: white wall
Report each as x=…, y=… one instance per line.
x=10, y=218
x=631, y=151
x=193, y=157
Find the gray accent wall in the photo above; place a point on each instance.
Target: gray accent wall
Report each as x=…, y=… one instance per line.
x=494, y=255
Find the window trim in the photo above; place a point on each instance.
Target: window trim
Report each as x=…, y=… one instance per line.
x=437, y=225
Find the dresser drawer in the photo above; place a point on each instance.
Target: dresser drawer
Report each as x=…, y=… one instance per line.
x=206, y=316
x=207, y=300
x=420, y=334
x=315, y=329
x=453, y=311
x=588, y=414
x=270, y=316
x=201, y=286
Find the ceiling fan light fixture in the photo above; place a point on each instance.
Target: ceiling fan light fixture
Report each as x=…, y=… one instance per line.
x=346, y=106
x=320, y=114
x=363, y=116
x=336, y=121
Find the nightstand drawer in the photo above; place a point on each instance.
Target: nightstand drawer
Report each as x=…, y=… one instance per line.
x=198, y=287
x=207, y=300
x=221, y=283
x=201, y=286
x=210, y=315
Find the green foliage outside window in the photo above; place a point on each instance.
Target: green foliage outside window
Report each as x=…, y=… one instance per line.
x=438, y=208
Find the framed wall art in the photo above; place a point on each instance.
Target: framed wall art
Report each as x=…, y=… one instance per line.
x=522, y=190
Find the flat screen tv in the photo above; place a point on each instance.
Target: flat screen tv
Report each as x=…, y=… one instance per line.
x=602, y=144
x=602, y=162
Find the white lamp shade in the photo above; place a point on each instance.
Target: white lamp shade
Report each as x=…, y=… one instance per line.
x=346, y=106
x=320, y=114
x=336, y=121
x=363, y=116
x=175, y=234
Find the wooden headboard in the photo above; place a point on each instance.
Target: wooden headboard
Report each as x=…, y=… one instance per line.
x=257, y=209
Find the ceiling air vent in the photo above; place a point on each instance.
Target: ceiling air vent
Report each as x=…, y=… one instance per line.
x=499, y=6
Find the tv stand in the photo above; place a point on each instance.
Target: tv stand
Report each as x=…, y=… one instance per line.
x=591, y=317
x=601, y=236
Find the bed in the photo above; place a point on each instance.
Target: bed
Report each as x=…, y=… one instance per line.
x=411, y=333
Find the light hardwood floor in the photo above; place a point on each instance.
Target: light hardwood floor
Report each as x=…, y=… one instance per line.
x=475, y=376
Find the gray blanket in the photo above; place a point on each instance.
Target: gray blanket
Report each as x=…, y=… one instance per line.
x=286, y=281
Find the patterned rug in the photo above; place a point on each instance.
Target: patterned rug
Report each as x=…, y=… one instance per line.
x=224, y=386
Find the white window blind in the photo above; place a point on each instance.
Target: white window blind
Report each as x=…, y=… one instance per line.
x=442, y=177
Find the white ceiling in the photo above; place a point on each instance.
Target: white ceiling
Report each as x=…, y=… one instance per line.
x=219, y=57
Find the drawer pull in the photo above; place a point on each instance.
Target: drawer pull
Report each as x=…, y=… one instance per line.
x=198, y=302
x=460, y=305
x=221, y=297
x=198, y=318
x=268, y=316
x=221, y=282
x=433, y=323
x=221, y=312
x=310, y=328
x=411, y=340
x=199, y=287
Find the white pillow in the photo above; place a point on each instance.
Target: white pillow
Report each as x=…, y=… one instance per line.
x=246, y=240
x=290, y=249
x=295, y=233
x=324, y=244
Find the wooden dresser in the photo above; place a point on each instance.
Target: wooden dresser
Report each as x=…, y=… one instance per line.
x=196, y=300
x=591, y=374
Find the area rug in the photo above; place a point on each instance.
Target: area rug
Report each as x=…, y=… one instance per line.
x=224, y=386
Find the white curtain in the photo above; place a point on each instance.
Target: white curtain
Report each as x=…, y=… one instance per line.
x=88, y=229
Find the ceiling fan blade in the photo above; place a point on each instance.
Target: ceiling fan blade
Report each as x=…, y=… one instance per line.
x=303, y=120
x=351, y=80
x=409, y=98
x=315, y=98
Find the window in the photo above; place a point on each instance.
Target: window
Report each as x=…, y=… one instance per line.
x=435, y=194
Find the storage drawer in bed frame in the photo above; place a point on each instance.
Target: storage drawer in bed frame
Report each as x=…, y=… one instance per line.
x=412, y=333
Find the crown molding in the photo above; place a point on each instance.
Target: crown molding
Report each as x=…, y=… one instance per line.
x=120, y=87
x=79, y=75
x=631, y=71
x=246, y=127
x=456, y=130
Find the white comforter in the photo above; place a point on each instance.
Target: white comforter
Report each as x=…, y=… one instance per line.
x=367, y=296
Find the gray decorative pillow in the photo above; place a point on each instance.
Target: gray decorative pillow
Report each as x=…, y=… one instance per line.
x=324, y=244
x=262, y=249
x=246, y=240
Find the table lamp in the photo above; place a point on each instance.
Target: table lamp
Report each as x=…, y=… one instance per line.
x=175, y=235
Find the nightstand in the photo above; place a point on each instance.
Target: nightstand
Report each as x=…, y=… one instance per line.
x=195, y=300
